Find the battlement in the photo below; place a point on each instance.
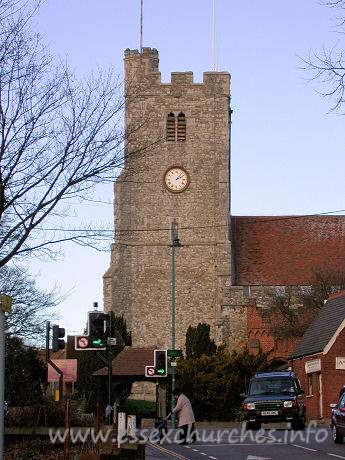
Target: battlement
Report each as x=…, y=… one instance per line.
x=146, y=52
x=141, y=63
x=145, y=65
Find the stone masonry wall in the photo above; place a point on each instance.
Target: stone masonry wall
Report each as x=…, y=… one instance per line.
x=138, y=282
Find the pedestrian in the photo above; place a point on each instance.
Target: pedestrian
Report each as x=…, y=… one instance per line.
x=186, y=418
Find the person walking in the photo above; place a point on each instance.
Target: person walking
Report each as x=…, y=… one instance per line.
x=186, y=417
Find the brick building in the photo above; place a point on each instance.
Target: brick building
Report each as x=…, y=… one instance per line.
x=280, y=251
x=177, y=170
x=319, y=358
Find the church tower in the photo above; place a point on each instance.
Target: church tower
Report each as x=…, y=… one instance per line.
x=176, y=171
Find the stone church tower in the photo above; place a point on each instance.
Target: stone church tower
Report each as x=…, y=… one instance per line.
x=176, y=170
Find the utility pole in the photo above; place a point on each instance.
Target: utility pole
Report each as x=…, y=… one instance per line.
x=175, y=243
x=5, y=306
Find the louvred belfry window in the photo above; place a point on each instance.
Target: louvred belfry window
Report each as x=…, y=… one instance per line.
x=181, y=127
x=171, y=128
x=176, y=127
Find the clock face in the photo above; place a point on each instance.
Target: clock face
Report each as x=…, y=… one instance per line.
x=176, y=179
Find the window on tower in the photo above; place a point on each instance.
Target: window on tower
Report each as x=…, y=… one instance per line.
x=171, y=127
x=176, y=127
x=181, y=127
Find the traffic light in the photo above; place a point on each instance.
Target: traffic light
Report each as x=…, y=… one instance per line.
x=160, y=367
x=58, y=342
x=161, y=363
x=98, y=329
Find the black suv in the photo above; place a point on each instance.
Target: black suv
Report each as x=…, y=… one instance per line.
x=274, y=397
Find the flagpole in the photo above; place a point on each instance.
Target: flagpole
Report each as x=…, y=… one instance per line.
x=213, y=36
x=141, y=27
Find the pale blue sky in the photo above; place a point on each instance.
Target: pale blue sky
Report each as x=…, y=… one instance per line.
x=287, y=150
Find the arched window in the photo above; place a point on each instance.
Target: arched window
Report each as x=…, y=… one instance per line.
x=171, y=135
x=181, y=127
x=176, y=127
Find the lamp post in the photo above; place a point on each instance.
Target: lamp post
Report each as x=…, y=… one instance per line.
x=175, y=243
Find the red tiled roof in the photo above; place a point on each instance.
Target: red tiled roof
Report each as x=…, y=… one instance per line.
x=337, y=294
x=286, y=250
x=131, y=361
x=323, y=330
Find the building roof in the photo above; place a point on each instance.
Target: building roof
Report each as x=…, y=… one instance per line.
x=131, y=361
x=324, y=329
x=286, y=250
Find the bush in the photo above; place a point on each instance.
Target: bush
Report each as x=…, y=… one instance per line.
x=198, y=342
x=213, y=385
x=25, y=373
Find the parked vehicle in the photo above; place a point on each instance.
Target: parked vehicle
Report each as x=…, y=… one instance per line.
x=338, y=420
x=274, y=397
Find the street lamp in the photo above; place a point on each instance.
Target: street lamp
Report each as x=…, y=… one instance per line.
x=175, y=243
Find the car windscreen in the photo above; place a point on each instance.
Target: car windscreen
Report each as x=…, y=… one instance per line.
x=271, y=386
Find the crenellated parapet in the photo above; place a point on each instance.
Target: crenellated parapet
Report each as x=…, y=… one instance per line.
x=144, y=68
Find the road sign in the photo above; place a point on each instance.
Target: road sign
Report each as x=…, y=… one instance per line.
x=150, y=371
x=82, y=342
x=111, y=341
x=67, y=366
x=174, y=353
x=6, y=303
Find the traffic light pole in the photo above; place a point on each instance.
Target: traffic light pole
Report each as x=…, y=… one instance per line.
x=107, y=362
x=52, y=364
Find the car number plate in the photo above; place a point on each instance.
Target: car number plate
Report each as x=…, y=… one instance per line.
x=269, y=412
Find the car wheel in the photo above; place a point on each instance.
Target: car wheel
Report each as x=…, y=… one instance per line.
x=253, y=426
x=337, y=437
x=303, y=422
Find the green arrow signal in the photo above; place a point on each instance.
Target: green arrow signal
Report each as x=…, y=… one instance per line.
x=96, y=342
x=160, y=371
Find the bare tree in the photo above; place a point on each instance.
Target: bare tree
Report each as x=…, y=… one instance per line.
x=290, y=313
x=328, y=67
x=31, y=306
x=58, y=138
